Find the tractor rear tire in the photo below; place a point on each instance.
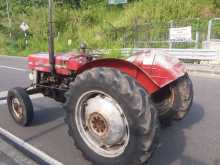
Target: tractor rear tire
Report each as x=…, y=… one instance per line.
x=184, y=90
x=174, y=101
x=20, y=106
x=100, y=91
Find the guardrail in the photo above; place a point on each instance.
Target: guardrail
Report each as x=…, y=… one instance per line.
x=187, y=54
x=194, y=54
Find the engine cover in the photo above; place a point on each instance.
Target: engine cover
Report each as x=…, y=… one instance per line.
x=64, y=65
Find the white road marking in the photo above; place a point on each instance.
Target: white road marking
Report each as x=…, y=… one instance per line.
x=13, y=68
x=2, y=102
x=4, y=94
x=21, y=143
x=16, y=57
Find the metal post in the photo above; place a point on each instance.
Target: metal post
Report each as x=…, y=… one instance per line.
x=170, y=42
x=135, y=37
x=197, y=40
x=197, y=34
x=9, y=19
x=209, y=30
x=51, y=37
x=26, y=38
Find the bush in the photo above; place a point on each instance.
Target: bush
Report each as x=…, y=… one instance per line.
x=93, y=21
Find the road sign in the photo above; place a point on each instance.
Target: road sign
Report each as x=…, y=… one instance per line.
x=24, y=27
x=181, y=34
x=116, y=2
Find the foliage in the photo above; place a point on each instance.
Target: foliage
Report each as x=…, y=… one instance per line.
x=92, y=21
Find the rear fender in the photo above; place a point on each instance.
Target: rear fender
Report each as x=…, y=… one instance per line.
x=162, y=68
x=126, y=67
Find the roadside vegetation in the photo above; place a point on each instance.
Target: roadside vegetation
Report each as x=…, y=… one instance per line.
x=93, y=21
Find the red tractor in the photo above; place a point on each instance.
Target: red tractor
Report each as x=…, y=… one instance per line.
x=111, y=105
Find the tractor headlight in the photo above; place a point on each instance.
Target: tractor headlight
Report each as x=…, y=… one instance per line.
x=33, y=76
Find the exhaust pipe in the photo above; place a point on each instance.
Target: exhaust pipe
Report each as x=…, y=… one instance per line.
x=51, y=38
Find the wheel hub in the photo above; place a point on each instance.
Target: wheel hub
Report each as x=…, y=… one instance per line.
x=98, y=124
x=104, y=120
x=16, y=106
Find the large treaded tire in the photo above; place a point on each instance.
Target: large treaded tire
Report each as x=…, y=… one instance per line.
x=180, y=104
x=141, y=116
x=184, y=97
x=26, y=105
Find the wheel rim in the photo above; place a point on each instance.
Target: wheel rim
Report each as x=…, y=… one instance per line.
x=167, y=102
x=102, y=124
x=17, y=108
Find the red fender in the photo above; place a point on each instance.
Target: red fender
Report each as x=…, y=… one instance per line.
x=126, y=67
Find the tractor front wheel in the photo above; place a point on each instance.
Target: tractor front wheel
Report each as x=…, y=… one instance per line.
x=110, y=118
x=20, y=106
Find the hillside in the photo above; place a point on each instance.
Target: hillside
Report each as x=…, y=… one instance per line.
x=100, y=25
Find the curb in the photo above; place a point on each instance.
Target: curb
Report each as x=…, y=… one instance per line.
x=29, y=150
x=207, y=69
x=12, y=156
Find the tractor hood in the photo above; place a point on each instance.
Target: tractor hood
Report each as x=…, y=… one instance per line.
x=161, y=67
x=64, y=63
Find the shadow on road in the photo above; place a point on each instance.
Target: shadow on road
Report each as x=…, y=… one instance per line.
x=44, y=132
x=44, y=115
x=173, y=141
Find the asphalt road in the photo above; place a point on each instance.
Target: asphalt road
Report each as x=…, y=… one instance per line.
x=193, y=141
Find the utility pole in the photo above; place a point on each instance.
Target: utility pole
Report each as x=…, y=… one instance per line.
x=9, y=19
